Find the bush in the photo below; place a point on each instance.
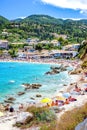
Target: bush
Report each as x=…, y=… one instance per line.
x=84, y=65
x=71, y=118
x=41, y=117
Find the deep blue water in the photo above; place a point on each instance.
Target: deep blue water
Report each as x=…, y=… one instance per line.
x=29, y=73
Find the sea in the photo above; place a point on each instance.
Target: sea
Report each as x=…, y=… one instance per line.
x=14, y=74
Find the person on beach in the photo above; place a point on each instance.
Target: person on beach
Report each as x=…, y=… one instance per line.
x=21, y=107
x=7, y=107
x=53, y=103
x=67, y=101
x=85, y=89
x=11, y=109
x=48, y=105
x=72, y=99
x=56, y=103
x=77, y=89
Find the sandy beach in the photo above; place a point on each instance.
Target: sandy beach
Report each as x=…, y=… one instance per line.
x=6, y=123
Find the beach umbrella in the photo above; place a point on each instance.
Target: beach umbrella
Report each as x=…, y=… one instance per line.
x=46, y=100
x=1, y=114
x=66, y=95
x=60, y=98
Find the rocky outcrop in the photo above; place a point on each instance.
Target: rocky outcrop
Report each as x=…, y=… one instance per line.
x=32, y=86
x=32, y=98
x=56, y=70
x=82, y=125
x=38, y=95
x=23, y=117
x=20, y=93
x=76, y=71
x=10, y=100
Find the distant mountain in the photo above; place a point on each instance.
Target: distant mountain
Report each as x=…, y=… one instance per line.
x=18, y=20
x=43, y=19
x=3, y=20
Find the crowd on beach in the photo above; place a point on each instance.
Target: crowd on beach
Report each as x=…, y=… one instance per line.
x=63, y=101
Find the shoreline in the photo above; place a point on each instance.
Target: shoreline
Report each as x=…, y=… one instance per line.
x=75, y=63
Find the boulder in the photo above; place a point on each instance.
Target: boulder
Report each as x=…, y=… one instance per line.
x=23, y=117
x=76, y=71
x=26, y=84
x=20, y=93
x=82, y=125
x=33, y=86
x=11, y=99
x=8, y=101
x=32, y=98
x=38, y=95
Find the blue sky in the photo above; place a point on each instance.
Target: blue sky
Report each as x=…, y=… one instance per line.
x=13, y=9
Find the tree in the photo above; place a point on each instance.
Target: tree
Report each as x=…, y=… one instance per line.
x=39, y=47
x=13, y=52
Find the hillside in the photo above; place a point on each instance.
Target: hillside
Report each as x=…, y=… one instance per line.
x=43, y=19
x=3, y=21
x=44, y=27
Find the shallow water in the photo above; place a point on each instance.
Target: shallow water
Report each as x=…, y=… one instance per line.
x=13, y=74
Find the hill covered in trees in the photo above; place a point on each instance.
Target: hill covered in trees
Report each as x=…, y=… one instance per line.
x=43, y=27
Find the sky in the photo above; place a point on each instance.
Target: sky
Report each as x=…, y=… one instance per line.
x=71, y=9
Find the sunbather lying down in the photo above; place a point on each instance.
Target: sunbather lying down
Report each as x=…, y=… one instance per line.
x=77, y=89
x=85, y=89
x=72, y=99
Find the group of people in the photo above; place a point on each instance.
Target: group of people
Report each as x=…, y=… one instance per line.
x=78, y=89
x=60, y=102
x=11, y=109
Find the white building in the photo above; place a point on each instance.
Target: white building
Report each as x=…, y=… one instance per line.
x=55, y=42
x=33, y=41
x=4, y=44
x=63, y=54
x=71, y=47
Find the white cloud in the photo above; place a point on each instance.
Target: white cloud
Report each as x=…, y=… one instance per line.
x=83, y=12
x=22, y=17
x=70, y=4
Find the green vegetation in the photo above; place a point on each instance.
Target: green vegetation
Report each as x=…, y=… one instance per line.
x=43, y=27
x=83, y=54
x=46, y=119
x=1, y=52
x=42, y=116
x=49, y=46
x=72, y=118
x=17, y=46
x=13, y=52
x=83, y=50
x=84, y=65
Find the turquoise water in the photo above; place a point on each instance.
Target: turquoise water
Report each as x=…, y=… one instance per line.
x=29, y=73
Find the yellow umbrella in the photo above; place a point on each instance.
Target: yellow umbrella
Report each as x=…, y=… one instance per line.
x=60, y=98
x=46, y=100
x=1, y=114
